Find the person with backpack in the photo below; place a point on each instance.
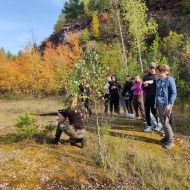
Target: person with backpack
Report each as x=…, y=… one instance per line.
x=166, y=94
x=127, y=95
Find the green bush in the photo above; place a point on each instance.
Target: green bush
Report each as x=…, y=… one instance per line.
x=185, y=4
x=86, y=35
x=26, y=126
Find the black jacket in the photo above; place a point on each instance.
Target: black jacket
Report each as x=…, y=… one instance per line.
x=150, y=90
x=114, y=88
x=127, y=89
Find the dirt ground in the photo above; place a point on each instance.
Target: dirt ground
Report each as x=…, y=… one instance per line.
x=30, y=165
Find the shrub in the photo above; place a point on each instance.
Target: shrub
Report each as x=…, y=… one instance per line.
x=26, y=126
x=185, y=5
x=86, y=35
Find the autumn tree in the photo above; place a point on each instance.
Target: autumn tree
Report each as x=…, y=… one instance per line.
x=95, y=26
x=2, y=54
x=62, y=58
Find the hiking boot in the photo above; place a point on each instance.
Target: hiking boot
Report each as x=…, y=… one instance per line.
x=81, y=140
x=158, y=127
x=83, y=143
x=163, y=140
x=56, y=141
x=73, y=142
x=148, y=129
x=169, y=145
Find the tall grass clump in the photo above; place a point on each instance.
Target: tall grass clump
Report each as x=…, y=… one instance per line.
x=161, y=171
x=110, y=152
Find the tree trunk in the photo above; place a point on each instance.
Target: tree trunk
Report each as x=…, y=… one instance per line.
x=99, y=135
x=140, y=56
x=138, y=43
x=121, y=35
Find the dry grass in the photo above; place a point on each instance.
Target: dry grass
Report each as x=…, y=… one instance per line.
x=138, y=167
x=10, y=110
x=27, y=165
x=135, y=160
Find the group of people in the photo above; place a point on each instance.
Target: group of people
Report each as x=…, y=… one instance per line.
x=151, y=99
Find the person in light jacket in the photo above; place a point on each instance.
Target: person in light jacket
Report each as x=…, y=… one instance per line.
x=166, y=94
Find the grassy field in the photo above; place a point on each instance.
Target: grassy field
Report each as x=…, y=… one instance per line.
x=133, y=159
x=10, y=110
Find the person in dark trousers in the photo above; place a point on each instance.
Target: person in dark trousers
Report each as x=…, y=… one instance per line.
x=166, y=94
x=75, y=129
x=169, y=74
x=114, y=90
x=138, y=102
x=106, y=95
x=85, y=94
x=149, y=88
x=127, y=95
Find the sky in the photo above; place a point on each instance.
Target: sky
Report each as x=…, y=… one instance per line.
x=25, y=21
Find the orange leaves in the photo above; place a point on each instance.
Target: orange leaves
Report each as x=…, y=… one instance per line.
x=66, y=54
x=31, y=73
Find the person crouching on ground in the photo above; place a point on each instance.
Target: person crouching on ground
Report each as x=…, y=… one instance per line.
x=138, y=102
x=75, y=129
x=165, y=96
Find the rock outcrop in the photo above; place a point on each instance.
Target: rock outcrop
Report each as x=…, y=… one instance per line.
x=61, y=37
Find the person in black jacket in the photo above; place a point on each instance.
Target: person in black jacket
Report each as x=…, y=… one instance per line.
x=114, y=90
x=149, y=87
x=128, y=96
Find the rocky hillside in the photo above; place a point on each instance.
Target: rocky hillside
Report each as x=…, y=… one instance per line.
x=62, y=36
x=168, y=13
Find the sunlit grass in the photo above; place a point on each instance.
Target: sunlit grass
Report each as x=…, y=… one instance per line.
x=10, y=110
x=135, y=160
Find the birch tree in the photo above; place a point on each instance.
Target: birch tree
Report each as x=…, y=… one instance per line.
x=140, y=26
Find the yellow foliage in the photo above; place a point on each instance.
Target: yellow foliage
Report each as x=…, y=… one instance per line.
x=31, y=73
x=188, y=49
x=95, y=26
